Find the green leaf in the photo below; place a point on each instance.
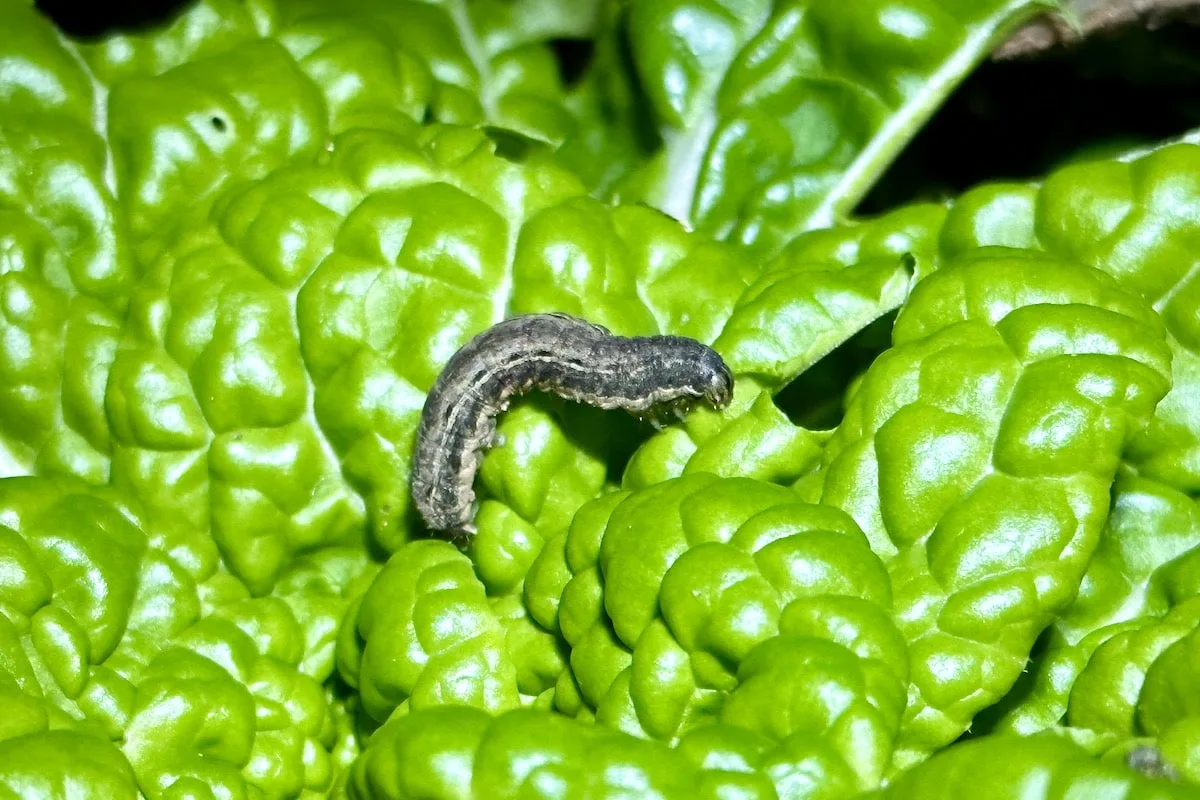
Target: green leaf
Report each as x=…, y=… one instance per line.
x=275, y=361
x=451, y=752
x=425, y=635
x=1132, y=217
x=66, y=268
x=42, y=764
x=1145, y=562
x=1135, y=219
x=1045, y=767
x=777, y=118
x=703, y=600
x=488, y=62
x=978, y=461
x=114, y=631
x=797, y=312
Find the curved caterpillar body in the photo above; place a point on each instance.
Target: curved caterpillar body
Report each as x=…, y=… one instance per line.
x=570, y=357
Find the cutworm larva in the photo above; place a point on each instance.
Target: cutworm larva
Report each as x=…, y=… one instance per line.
x=572, y=358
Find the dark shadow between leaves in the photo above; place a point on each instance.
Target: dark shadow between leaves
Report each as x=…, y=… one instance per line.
x=515, y=146
x=816, y=398
x=93, y=21
x=1018, y=120
x=573, y=56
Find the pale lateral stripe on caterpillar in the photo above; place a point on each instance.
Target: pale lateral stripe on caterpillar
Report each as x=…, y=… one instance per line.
x=572, y=358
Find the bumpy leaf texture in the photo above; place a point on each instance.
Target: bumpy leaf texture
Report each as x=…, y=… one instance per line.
x=1147, y=561
x=1042, y=767
x=1128, y=216
x=132, y=659
x=1134, y=217
x=297, y=289
x=794, y=314
x=977, y=455
x=700, y=599
x=275, y=358
x=455, y=752
x=237, y=252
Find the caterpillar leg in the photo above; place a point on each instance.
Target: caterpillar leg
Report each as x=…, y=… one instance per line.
x=659, y=417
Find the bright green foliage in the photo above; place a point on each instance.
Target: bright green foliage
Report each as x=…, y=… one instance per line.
x=977, y=456
x=237, y=249
x=113, y=631
x=1134, y=684
x=427, y=635
x=776, y=117
x=910, y=230
x=702, y=600
x=1146, y=561
x=475, y=63
x=1133, y=218
x=797, y=312
x=33, y=765
x=383, y=63
x=324, y=68
x=792, y=316
x=1128, y=217
x=752, y=438
x=218, y=131
x=1007, y=767
x=453, y=752
x=204, y=29
x=1167, y=706
x=1109, y=692
x=276, y=356
x=65, y=267
x=1137, y=220
x=449, y=753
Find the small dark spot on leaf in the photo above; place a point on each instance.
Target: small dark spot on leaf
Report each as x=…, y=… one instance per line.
x=218, y=124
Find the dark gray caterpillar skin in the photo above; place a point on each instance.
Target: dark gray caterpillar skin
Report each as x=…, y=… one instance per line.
x=570, y=357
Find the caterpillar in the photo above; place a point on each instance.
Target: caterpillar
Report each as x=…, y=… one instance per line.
x=573, y=358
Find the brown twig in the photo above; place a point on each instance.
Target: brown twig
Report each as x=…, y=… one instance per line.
x=1082, y=19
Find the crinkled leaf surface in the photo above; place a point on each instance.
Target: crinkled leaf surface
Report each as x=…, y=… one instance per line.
x=1045, y=767
x=238, y=249
x=1147, y=560
x=454, y=752
x=260, y=371
x=133, y=639
x=275, y=359
x=1132, y=217
x=977, y=455
x=797, y=312
x=705, y=601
